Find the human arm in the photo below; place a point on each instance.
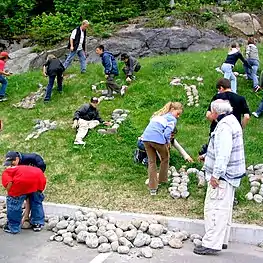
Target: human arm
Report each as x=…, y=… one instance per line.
x=182, y=151
x=7, y=179
x=247, y=51
x=245, y=112
x=245, y=120
x=44, y=71
x=2, y=72
x=240, y=56
x=81, y=112
x=130, y=66
x=168, y=131
x=71, y=39
x=107, y=64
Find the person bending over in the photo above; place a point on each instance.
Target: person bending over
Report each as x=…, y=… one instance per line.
x=131, y=65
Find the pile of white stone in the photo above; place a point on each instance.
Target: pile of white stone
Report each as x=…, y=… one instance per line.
x=105, y=233
x=191, y=90
x=180, y=180
x=40, y=127
x=3, y=217
x=29, y=102
x=117, y=118
x=255, y=175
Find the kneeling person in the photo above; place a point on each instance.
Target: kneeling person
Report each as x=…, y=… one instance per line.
x=85, y=118
x=131, y=65
x=22, y=182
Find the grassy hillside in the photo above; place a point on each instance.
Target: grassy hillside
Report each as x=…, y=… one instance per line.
x=103, y=173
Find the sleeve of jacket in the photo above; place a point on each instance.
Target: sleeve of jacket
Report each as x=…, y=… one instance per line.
x=6, y=177
x=40, y=163
x=81, y=111
x=168, y=131
x=240, y=56
x=107, y=64
x=131, y=66
x=98, y=118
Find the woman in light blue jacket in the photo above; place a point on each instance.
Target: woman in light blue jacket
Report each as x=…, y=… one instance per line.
x=156, y=139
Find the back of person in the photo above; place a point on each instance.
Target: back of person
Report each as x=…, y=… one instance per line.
x=107, y=56
x=252, y=52
x=54, y=67
x=25, y=180
x=32, y=159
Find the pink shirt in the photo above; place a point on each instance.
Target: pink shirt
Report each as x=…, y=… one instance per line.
x=2, y=65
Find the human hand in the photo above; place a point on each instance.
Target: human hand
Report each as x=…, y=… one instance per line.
x=75, y=124
x=71, y=48
x=128, y=79
x=106, y=76
x=214, y=182
x=189, y=159
x=201, y=158
x=107, y=123
x=44, y=74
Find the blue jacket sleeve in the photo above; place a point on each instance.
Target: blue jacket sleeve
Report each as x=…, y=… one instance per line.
x=168, y=131
x=107, y=64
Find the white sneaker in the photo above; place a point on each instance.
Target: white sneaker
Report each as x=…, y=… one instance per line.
x=255, y=114
x=147, y=181
x=123, y=90
x=79, y=143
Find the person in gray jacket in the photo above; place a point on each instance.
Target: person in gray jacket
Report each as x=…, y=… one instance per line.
x=131, y=65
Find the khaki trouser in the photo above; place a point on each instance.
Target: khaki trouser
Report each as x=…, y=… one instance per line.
x=84, y=126
x=152, y=150
x=218, y=215
x=112, y=85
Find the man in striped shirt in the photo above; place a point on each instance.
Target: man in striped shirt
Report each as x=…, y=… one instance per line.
x=224, y=168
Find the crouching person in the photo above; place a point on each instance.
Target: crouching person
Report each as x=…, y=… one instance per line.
x=85, y=118
x=131, y=65
x=224, y=168
x=22, y=182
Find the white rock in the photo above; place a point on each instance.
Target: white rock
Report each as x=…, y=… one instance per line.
x=124, y=225
x=103, y=239
x=62, y=224
x=112, y=220
x=81, y=227
x=258, y=166
x=148, y=239
x=81, y=237
x=255, y=183
x=250, y=168
x=92, y=240
x=136, y=223
x=114, y=246
x=140, y=240
x=175, y=243
x=144, y=226
x=99, y=213
x=71, y=228
x=78, y=216
x=119, y=232
x=68, y=241
x=192, y=171
x=185, y=194
x=93, y=229
x=147, y=252
x=175, y=194
x=101, y=231
x=130, y=235
x=155, y=230
x=132, y=227
x=186, y=234
x=156, y=243
x=166, y=238
x=195, y=236
x=104, y=248
x=62, y=231
x=123, y=250
x=254, y=190
x=68, y=234
x=249, y=196
x=102, y=222
x=179, y=235
x=197, y=242
x=177, y=180
x=125, y=242
x=258, y=198
x=84, y=210
x=261, y=192
x=59, y=238
x=111, y=235
x=182, y=188
x=91, y=221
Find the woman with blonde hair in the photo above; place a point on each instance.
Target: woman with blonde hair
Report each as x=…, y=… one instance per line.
x=156, y=139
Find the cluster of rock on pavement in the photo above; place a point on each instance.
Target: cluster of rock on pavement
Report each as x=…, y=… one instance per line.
x=255, y=175
x=179, y=181
x=117, y=117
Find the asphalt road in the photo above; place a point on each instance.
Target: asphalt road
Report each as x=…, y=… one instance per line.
x=30, y=247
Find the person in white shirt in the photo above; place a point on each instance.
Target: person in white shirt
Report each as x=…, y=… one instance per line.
x=76, y=46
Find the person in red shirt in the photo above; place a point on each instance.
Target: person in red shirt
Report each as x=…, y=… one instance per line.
x=3, y=58
x=21, y=182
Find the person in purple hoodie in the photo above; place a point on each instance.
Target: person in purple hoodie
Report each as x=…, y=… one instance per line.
x=156, y=139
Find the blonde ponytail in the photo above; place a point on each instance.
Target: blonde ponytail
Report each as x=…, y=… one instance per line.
x=167, y=108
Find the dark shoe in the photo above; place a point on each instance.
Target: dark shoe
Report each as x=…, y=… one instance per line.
x=224, y=246
x=37, y=227
x=205, y=251
x=257, y=88
x=7, y=229
x=60, y=91
x=83, y=72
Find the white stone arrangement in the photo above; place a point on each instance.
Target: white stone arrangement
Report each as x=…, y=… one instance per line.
x=105, y=233
x=40, y=127
x=29, y=102
x=255, y=175
x=180, y=180
x=191, y=90
x=118, y=116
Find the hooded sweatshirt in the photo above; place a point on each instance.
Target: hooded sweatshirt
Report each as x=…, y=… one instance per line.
x=233, y=56
x=252, y=52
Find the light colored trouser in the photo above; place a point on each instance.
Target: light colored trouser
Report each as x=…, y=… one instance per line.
x=84, y=126
x=228, y=74
x=218, y=215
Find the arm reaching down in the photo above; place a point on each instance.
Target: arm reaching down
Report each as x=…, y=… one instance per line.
x=182, y=151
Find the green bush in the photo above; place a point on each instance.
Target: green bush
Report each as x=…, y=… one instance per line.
x=223, y=27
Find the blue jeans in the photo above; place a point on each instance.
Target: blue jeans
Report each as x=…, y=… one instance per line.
x=3, y=81
x=14, y=210
x=252, y=72
x=228, y=74
x=50, y=85
x=260, y=108
x=82, y=59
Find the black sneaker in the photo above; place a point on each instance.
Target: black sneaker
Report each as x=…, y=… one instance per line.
x=37, y=227
x=205, y=251
x=7, y=229
x=224, y=246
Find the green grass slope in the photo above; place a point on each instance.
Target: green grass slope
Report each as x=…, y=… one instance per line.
x=103, y=173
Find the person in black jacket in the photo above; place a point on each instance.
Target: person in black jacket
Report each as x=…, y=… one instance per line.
x=85, y=118
x=32, y=159
x=53, y=68
x=131, y=65
x=76, y=45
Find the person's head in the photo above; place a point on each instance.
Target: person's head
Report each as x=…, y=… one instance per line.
x=223, y=85
x=94, y=101
x=84, y=25
x=251, y=40
x=11, y=159
x=4, y=56
x=175, y=108
x=219, y=107
x=99, y=49
x=235, y=45
x=124, y=57
x=51, y=56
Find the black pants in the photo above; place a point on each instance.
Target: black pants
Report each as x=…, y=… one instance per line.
x=112, y=85
x=126, y=70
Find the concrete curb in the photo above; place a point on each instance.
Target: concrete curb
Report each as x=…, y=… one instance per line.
x=241, y=233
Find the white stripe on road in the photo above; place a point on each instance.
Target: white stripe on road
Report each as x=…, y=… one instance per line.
x=100, y=258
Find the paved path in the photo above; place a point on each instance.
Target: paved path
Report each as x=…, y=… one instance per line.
x=30, y=247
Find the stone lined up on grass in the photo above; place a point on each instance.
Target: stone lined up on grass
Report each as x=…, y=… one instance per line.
x=117, y=118
x=255, y=175
x=237, y=74
x=114, y=235
x=40, y=127
x=29, y=102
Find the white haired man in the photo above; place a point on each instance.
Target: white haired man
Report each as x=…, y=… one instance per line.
x=76, y=45
x=224, y=168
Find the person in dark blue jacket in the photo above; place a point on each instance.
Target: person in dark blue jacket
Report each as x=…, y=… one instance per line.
x=17, y=158
x=111, y=70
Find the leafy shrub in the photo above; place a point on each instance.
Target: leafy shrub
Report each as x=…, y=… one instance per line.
x=223, y=27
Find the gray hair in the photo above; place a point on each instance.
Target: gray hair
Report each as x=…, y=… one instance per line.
x=85, y=22
x=221, y=106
